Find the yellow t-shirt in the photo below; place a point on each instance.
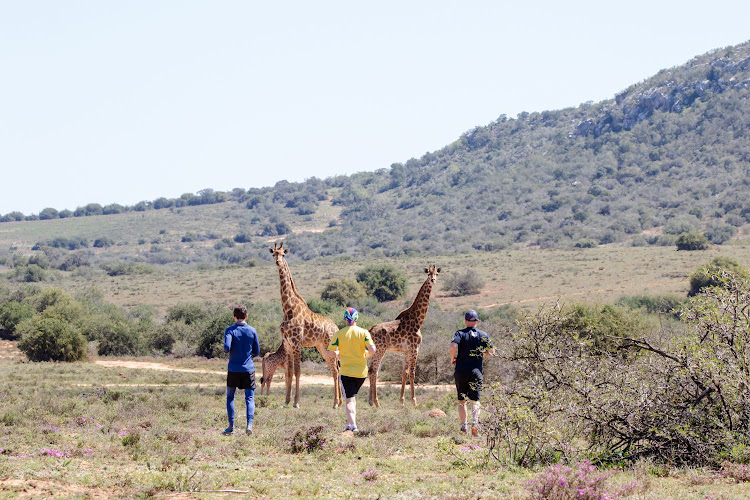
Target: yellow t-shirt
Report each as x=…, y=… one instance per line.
x=352, y=342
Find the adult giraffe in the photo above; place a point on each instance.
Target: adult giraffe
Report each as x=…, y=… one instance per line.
x=302, y=328
x=402, y=335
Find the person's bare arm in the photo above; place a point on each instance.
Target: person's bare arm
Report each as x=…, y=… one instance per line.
x=371, y=349
x=454, y=352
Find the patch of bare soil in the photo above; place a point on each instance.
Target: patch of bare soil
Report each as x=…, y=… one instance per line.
x=33, y=488
x=8, y=350
x=304, y=379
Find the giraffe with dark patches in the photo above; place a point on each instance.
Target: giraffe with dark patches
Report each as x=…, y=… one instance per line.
x=302, y=328
x=402, y=335
x=271, y=361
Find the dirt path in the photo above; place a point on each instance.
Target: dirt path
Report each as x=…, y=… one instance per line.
x=279, y=376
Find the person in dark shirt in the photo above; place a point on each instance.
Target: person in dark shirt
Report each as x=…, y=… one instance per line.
x=241, y=342
x=468, y=349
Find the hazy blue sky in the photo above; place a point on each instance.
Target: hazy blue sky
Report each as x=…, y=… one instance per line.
x=105, y=101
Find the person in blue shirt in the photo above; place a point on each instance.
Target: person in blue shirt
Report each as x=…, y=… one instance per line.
x=468, y=349
x=241, y=342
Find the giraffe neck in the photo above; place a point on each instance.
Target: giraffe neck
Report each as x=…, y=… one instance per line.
x=289, y=296
x=418, y=309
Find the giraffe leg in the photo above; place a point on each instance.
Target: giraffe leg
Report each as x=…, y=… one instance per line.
x=288, y=377
x=297, y=373
x=404, y=376
x=374, y=368
x=412, y=373
x=331, y=362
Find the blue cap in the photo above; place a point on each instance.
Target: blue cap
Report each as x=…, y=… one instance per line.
x=471, y=315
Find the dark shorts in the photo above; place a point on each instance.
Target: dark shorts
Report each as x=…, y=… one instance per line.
x=350, y=385
x=469, y=384
x=241, y=380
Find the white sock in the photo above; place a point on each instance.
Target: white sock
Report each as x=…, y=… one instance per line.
x=475, y=413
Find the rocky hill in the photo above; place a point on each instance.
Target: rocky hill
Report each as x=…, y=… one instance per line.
x=665, y=156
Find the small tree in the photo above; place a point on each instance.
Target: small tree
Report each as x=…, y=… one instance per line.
x=467, y=283
x=343, y=292
x=51, y=339
x=383, y=282
x=11, y=314
x=705, y=276
x=692, y=241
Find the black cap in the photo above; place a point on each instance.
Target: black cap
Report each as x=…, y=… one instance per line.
x=471, y=315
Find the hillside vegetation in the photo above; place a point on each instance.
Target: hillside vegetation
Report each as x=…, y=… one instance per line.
x=666, y=156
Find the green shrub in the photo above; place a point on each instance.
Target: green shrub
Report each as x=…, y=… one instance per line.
x=466, y=283
x=126, y=268
x=705, y=276
x=211, y=341
x=31, y=273
x=114, y=335
x=586, y=243
x=51, y=339
x=343, y=292
x=11, y=314
x=383, y=282
x=103, y=242
x=719, y=233
x=692, y=241
x=654, y=304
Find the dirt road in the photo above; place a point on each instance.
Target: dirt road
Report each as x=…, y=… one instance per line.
x=278, y=377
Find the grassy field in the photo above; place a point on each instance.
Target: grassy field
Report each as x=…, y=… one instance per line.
x=86, y=431
x=522, y=278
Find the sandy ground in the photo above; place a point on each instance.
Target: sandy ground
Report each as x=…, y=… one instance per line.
x=279, y=376
x=8, y=350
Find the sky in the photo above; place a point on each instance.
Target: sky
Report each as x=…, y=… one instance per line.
x=118, y=102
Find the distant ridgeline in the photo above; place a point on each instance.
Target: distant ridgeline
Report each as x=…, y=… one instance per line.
x=670, y=153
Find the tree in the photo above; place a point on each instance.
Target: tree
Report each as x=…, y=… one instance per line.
x=692, y=241
x=705, y=276
x=466, y=283
x=51, y=339
x=383, y=282
x=11, y=314
x=48, y=213
x=344, y=292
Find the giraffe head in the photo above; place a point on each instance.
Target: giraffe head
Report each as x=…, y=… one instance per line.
x=432, y=273
x=278, y=252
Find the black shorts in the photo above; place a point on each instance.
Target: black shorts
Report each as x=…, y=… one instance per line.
x=350, y=385
x=241, y=380
x=469, y=384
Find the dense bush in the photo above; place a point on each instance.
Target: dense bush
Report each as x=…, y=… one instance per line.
x=719, y=232
x=211, y=340
x=706, y=275
x=692, y=241
x=51, y=339
x=344, y=292
x=103, y=242
x=383, y=282
x=126, y=268
x=609, y=399
x=467, y=283
x=11, y=314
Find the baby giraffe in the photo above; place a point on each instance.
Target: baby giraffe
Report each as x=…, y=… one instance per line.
x=271, y=361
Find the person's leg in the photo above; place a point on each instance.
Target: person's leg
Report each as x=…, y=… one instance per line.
x=351, y=412
x=462, y=413
x=250, y=406
x=475, y=410
x=230, y=409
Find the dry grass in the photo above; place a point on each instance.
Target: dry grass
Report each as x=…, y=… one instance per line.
x=164, y=442
x=522, y=278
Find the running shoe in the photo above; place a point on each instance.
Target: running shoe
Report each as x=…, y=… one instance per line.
x=464, y=428
x=228, y=431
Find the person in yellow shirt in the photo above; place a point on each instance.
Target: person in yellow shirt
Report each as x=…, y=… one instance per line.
x=353, y=346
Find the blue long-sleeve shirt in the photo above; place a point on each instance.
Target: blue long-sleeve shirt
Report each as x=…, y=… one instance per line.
x=241, y=342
